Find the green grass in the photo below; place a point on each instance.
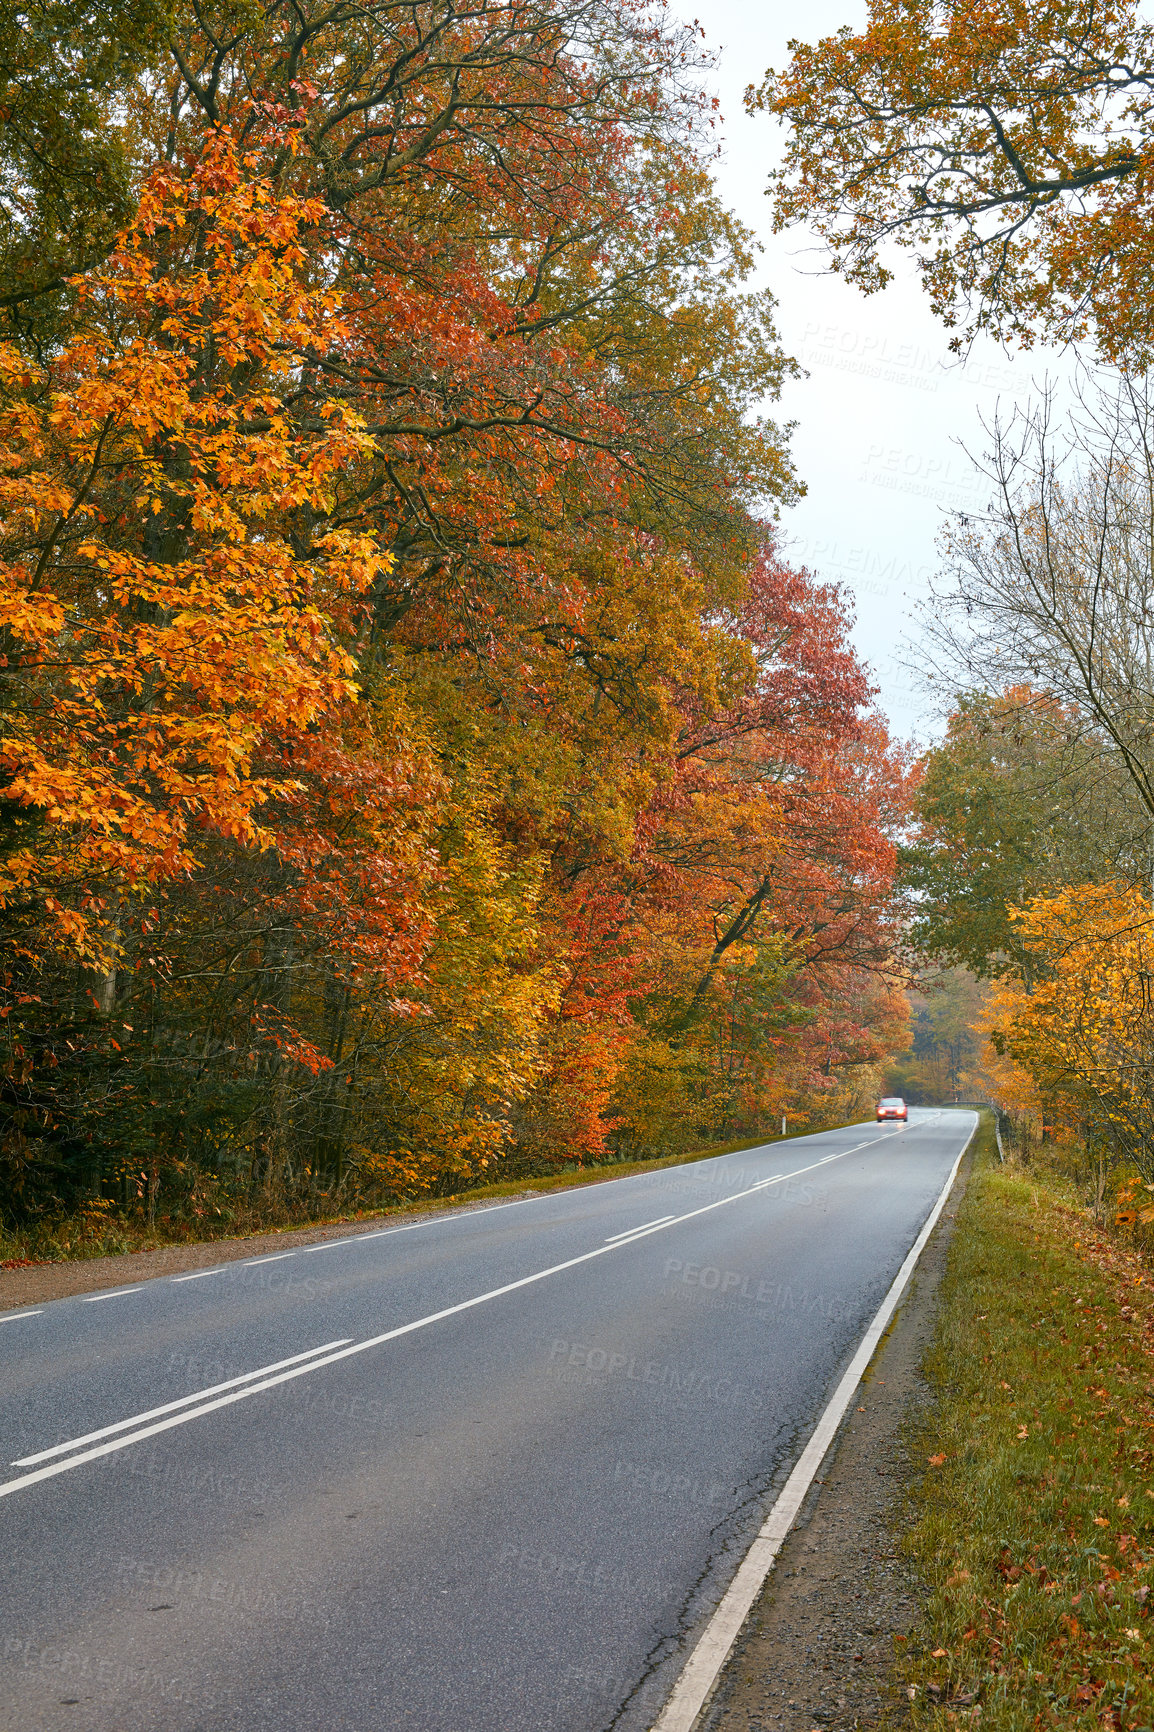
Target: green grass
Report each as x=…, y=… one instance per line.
x=97, y=1232
x=1035, y=1518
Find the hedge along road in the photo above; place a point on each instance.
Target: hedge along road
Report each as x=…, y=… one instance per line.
x=490, y=1471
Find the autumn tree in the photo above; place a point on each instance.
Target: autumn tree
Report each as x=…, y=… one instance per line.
x=1085, y=1033
x=1007, y=146
x=589, y=792
x=174, y=672
x=162, y=637
x=767, y=873
x=560, y=367
x=548, y=289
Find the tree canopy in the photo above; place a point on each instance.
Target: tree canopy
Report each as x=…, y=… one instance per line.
x=416, y=753
x=1007, y=145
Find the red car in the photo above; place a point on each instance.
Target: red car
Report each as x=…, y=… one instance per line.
x=893, y=1107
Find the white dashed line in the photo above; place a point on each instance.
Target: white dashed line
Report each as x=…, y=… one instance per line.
x=278, y=1257
x=15, y=1316
x=199, y=1276
x=644, y=1227
x=95, y=1298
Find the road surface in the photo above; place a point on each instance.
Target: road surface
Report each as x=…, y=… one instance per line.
x=487, y=1473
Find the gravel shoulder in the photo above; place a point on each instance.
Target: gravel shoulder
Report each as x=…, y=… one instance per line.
x=818, y=1648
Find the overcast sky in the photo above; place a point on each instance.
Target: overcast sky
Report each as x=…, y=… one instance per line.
x=885, y=404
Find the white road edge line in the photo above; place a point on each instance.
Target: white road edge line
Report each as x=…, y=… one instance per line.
x=701, y=1671
x=7, y=1487
x=15, y=1316
x=200, y=1274
x=170, y=1406
x=277, y=1257
x=95, y=1298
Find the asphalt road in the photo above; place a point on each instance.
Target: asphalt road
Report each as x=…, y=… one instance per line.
x=464, y=1509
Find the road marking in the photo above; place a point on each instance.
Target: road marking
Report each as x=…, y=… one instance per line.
x=199, y=1276
x=466, y=1213
x=170, y=1406
x=15, y=1316
x=95, y=1298
x=644, y=1227
x=278, y=1257
x=7, y=1487
x=702, y=1669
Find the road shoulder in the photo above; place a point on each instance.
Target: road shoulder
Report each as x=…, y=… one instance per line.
x=818, y=1647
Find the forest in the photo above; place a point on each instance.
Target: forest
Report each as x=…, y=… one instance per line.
x=421, y=761
x=1009, y=151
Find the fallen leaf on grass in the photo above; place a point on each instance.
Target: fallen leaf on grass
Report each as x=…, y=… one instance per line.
x=1101, y=1522
x=1023, y=1432
x=938, y=1654
x=937, y=1460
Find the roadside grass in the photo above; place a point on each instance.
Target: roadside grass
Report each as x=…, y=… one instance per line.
x=99, y=1231
x=1034, y=1528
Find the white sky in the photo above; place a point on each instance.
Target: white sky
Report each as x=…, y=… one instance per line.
x=885, y=404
